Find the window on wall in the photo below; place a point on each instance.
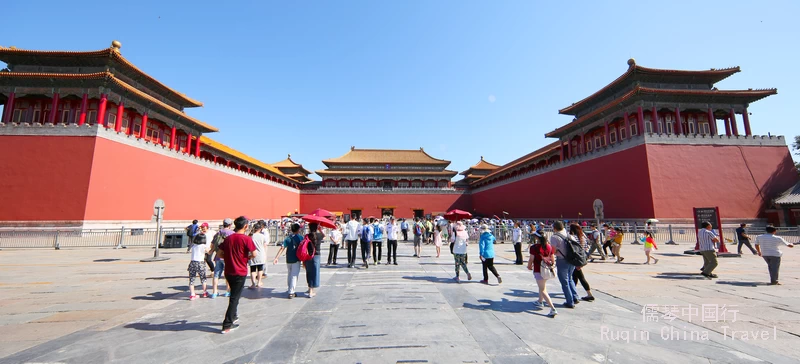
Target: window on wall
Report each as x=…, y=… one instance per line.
x=690, y=127
x=112, y=120
x=635, y=129
x=597, y=141
x=17, y=118
x=330, y=183
x=648, y=127
x=613, y=135
x=623, y=133
x=402, y=184
x=589, y=146
x=344, y=183
x=125, y=125
x=669, y=128
x=416, y=184
x=430, y=184
x=64, y=116
x=442, y=184
x=372, y=184
x=137, y=128
x=152, y=134
x=358, y=184
x=91, y=117
x=704, y=128
x=36, y=114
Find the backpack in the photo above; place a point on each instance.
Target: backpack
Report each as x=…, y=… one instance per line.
x=189, y=230
x=366, y=237
x=417, y=229
x=306, y=250
x=575, y=254
x=378, y=234
x=217, y=240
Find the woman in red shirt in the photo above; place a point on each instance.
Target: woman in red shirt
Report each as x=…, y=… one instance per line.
x=540, y=252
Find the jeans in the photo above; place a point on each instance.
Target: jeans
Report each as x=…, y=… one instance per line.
x=377, y=250
x=405, y=234
x=332, y=252
x=391, y=251
x=291, y=278
x=709, y=261
x=236, y=284
x=351, y=252
x=564, y=273
x=518, y=252
x=364, y=251
x=774, y=265
x=312, y=271
x=488, y=265
x=746, y=242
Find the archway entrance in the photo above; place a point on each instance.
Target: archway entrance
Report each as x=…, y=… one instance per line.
x=387, y=211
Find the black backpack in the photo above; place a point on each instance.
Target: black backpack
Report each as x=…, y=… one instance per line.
x=575, y=254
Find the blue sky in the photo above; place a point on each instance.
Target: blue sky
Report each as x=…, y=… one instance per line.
x=462, y=79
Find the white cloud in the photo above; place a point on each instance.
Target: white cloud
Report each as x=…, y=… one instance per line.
x=492, y=98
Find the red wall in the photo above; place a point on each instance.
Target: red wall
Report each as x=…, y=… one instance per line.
x=125, y=182
x=686, y=176
x=403, y=204
x=620, y=180
x=44, y=178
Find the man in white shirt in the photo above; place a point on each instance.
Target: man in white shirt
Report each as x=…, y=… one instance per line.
x=391, y=241
x=708, y=240
x=768, y=247
x=351, y=237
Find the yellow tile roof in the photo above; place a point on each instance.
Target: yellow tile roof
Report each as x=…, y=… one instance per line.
x=211, y=143
x=384, y=156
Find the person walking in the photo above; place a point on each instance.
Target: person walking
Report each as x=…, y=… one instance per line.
x=209, y=239
x=336, y=239
x=460, y=251
x=404, y=229
x=196, y=266
x=366, y=241
x=564, y=268
x=609, y=240
x=576, y=233
x=378, y=231
x=595, y=241
x=744, y=239
x=649, y=245
x=542, y=256
x=312, y=266
x=219, y=263
x=516, y=237
x=437, y=239
x=617, y=246
x=419, y=231
x=191, y=231
x=486, y=247
x=258, y=267
x=708, y=240
x=768, y=247
x=290, y=245
x=236, y=250
x=391, y=241
x=351, y=230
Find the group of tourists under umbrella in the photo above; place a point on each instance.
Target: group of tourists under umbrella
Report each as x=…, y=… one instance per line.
x=241, y=245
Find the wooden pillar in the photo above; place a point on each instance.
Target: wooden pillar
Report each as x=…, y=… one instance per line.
x=84, y=106
x=561, y=150
x=627, y=125
x=727, y=126
x=101, y=111
x=172, y=137
x=605, y=136
x=188, y=143
x=120, y=112
x=734, y=127
x=746, y=118
x=8, y=109
x=53, y=108
x=583, y=143
x=678, y=125
x=654, y=120
x=131, y=120
x=143, y=130
x=712, y=122
x=197, y=146
x=640, y=120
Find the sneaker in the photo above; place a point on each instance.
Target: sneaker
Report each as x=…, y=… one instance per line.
x=205, y=294
x=192, y=298
x=214, y=295
x=537, y=304
x=227, y=294
x=291, y=295
x=414, y=256
x=469, y=276
x=656, y=261
x=552, y=313
x=228, y=330
x=705, y=275
x=569, y=306
x=776, y=283
x=588, y=298
x=379, y=262
x=499, y=280
x=621, y=259
x=366, y=265
x=395, y=263
x=575, y=302
x=713, y=275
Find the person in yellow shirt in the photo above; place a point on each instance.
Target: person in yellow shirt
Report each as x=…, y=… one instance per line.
x=618, y=244
x=649, y=245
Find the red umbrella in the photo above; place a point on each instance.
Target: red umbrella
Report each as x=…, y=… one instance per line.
x=455, y=215
x=322, y=212
x=322, y=221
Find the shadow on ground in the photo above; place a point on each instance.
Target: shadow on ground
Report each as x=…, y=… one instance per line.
x=105, y=260
x=680, y=276
x=743, y=284
x=156, y=296
x=163, y=278
x=175, y=326
x=504, y=305
x=430, y=279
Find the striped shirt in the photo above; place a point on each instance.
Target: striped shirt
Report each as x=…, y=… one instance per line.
x=705, y=237
x=770, y=245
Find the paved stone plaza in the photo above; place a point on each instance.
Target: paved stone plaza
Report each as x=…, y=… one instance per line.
x=103, y=305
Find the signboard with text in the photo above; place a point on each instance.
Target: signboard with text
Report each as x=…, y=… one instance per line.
x=710, y=214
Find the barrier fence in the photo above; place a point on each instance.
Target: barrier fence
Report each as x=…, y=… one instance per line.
x=175, y=237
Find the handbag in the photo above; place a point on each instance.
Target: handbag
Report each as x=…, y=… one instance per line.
x=546, y=270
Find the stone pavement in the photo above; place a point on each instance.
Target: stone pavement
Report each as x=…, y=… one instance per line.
x=103, y=305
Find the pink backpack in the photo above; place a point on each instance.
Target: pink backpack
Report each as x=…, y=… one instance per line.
x=303, y=253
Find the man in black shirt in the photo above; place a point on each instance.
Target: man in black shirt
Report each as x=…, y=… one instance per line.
x=741, y=234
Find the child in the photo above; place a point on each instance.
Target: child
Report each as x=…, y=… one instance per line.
x=649, y=244
x=617, y=246
x=197, y=265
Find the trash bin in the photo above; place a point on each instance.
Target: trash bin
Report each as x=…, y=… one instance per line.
x=174, y=241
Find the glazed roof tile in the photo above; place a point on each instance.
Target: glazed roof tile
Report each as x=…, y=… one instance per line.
x=386, y=156
x=712, y=75
x=213, y=144
x=790, y=196
x=482, y=165
x=110, y=77
x=289, y=163
x=638, y=90
x=444, y=173
x=110, y=52
x=520, y=161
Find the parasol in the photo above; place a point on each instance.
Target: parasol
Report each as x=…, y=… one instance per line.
x=322, y=213
x=322, y=221
x=455, y=215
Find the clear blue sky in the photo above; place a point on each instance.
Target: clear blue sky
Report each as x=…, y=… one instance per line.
x=460, y=78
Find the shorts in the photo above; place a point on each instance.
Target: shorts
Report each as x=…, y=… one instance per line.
x=537, y=276
x=647, y=250
x=256, y=268
x=219, y=269
x=197, y=269
x=417, y=240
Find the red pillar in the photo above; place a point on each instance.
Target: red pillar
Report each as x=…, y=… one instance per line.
x=583, y=144
x=197, y=147
x=561, y=150
x=746, y=118
x=131, y=119
x=172, y=138
x=84, y=105
x=606, y=133
x=678, y=125
x=627, y=125
x=727, y=126
x=101, y=111
x=143, y=130
x=8, y=109
x=654, y=120
x=734, y=127
x=188, y=143
x=120, y=111
x=53, y=109
x=640, y=119
x=712, y=122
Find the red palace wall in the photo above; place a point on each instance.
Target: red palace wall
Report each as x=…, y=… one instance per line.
x=44, y=179
x=686, y=176
x=571, y=190
x=403, y=203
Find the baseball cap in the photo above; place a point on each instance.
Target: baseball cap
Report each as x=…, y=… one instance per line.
x=205, y=224
x=227, y=221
